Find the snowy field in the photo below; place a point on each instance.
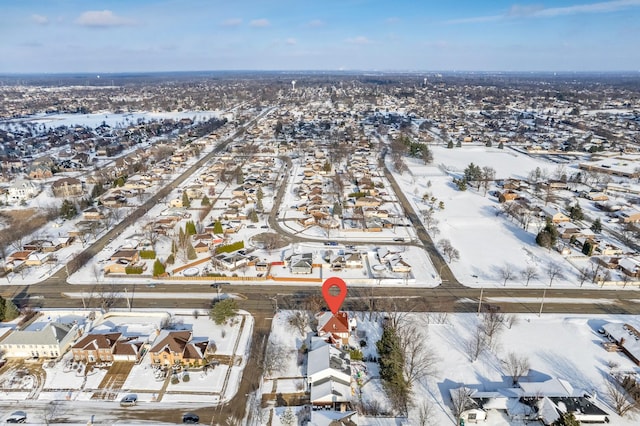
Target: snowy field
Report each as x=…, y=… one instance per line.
x=566, y=347
x=486, y=241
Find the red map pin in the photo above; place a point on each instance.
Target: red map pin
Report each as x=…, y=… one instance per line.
x=334, y=302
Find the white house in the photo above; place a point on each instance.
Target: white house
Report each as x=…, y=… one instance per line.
x=328, y=375
x=51, y=341
x=22, y=190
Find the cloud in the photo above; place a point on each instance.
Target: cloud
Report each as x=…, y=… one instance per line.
x=232, y=22
x=40, y=19
x=539, y=11
x=291, y=41
x=359, y=40
x=316, y=23
x=392, y=20
x=259, y=23
x=102, y=19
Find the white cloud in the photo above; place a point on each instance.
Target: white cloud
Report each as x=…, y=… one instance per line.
x=259, y=23
x=40, y=19
x=291, y=41
x=316, y=23
x=232, y=22
x=392, y=20
x=359, y=40
x=102, y=18
x=539, y=11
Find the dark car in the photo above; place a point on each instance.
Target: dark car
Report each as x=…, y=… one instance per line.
x=129, y=400
x=17, y=417
x=190, y=418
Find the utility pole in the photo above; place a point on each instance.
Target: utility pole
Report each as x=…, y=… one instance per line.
x=544, y=293
x=480, y=301
x=126, y=295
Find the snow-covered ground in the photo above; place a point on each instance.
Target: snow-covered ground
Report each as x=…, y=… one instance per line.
x=566, y=347
x=486, y=240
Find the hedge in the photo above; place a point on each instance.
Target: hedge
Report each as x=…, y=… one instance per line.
x=131, y=270
x=228, y=248
x=147, y=254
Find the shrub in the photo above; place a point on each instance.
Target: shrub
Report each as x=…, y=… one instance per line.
x=171, y=259
x=133, y=270
x=228, y=248
x=147, y=254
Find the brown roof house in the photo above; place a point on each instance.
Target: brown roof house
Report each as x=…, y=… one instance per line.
x=67, y=187
x=336, y=326
x=176, y=348
x=95, y=347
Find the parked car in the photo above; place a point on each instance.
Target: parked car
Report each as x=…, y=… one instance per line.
x=190, y=418
x=330, y=243
x=398, y=239
x=17, y=417
x=129, y=400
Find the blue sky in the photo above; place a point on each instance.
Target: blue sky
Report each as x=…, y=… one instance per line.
x=420, y=35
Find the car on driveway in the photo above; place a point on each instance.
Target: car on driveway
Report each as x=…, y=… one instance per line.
x=17, y=417
x=190, y=418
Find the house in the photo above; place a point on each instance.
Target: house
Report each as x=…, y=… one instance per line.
x=337, y=325
x=130, y=256
x=22, y=190
x=328, y=376
x=177, y=347
x=50, y=341
x=630, y=216
x=67, y=187
x=95, y=347
x=301, y=263
x=630, y=266
x=555, y=216
x=92, y=213
x=626, y=337
x=531, y=401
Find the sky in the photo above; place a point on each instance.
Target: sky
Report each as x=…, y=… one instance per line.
x=107, y=36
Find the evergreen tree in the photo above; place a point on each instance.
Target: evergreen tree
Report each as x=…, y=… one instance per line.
x=205, y=201
x=185, y=201
x=190, y=228
x=253, y=216
x=337, y=209
x=217, y=228
x=501, y=145
x=450, y=145
x=596, y=226
x=259, y=193
x=587, y=248
x=11, y=311
x=158, y=268
x=223, y=310
x=68, y=210
x=575, y=212
x=191, y=252
x=548, y=236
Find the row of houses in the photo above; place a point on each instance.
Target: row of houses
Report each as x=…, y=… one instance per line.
x=54, y=339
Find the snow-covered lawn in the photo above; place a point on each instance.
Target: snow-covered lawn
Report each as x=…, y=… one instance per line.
x=486, y=240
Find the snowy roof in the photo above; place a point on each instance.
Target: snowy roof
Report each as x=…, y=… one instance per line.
x=330, y=390
x=552, y=387
x=328, y=357
x=327, y=418
x=624, y=335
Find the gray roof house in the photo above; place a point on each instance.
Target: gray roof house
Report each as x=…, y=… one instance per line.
x=51, y=341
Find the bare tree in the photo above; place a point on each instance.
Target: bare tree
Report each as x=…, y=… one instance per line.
x=492, y=324
x=506, y=273
x=554, y=271
x=448, y=250
x=618, y=397
x=487, y=176
x=529, y=273
x=275, y=358
x=419, y=357
x=299, y=320
x=477, y=344
x=426, y=413
x=584, y=274
x=516, y=366
x=461, y=401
